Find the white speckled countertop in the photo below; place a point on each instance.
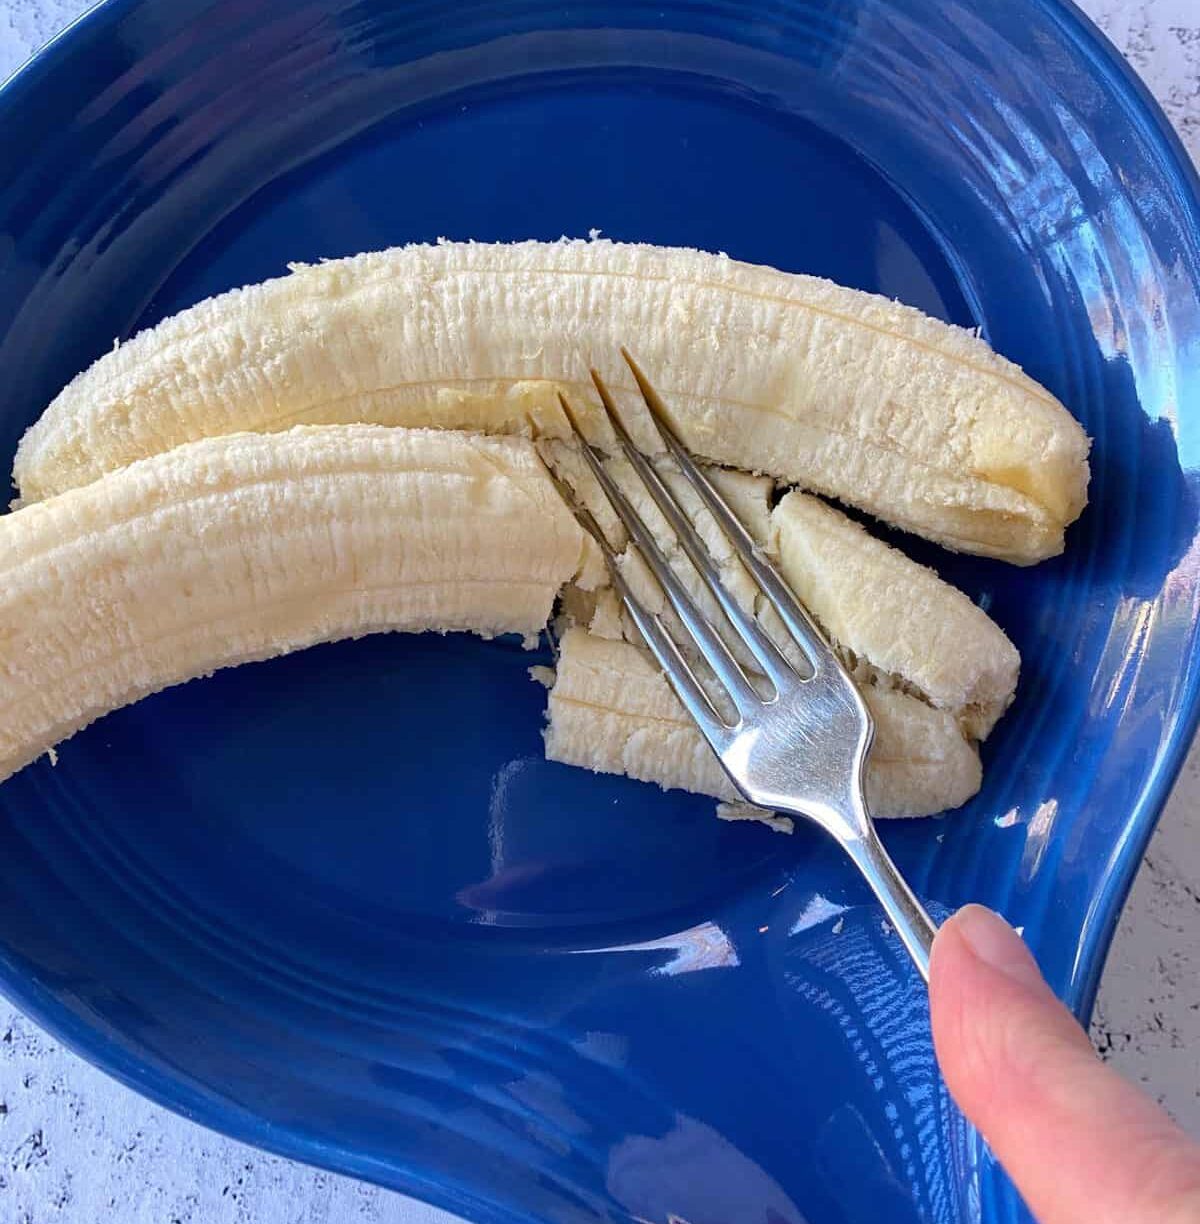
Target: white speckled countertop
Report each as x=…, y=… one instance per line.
x=76, y=1148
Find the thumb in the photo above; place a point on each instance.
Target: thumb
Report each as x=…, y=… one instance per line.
x=1079, y=1142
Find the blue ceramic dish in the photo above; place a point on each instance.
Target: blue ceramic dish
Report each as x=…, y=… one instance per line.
x=338, y=905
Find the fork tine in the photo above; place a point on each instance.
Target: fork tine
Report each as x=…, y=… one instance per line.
x=769, y=657
x=801, y=626
x=704, y=637
x=679, y=672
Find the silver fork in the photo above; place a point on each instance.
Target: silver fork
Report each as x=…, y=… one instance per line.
x=799, y=750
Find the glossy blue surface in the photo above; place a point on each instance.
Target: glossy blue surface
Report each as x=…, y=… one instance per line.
x=337, y=904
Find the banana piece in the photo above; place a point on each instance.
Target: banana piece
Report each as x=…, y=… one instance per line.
x=934, y=669
x=611, y=710
x=895, y=622
x=841, y=392
x=748, y=496
x=898, y=623
x=243, y=547
x=247, y=546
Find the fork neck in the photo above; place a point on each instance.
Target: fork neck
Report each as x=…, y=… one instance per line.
x=906, y=914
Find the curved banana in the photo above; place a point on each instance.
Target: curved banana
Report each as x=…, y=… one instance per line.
x=249, y=546
x=838, y=391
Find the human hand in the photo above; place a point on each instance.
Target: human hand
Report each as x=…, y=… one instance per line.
x=1081, y=1144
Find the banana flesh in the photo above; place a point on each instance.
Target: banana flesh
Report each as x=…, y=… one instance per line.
x=895, y=623
x=838, y=391
x=246, y=546
x=243, y=547
x=935, y=671
x=612, y=711
x=349, y=528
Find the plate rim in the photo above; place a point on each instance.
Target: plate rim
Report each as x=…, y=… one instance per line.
x=1100, y=923
x=177, y=1094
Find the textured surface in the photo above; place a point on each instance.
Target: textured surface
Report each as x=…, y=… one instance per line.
x=74, y=1147
x=317, y=534
x=958, y=426
x=1147, y=1018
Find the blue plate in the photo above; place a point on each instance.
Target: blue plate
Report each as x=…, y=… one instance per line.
x=338, y=905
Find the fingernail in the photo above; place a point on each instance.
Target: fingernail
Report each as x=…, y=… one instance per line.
x=995, y=943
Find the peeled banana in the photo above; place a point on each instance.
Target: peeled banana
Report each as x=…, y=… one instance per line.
x=243, y=547
x=251, y=545
x=935, y=671
x=899, y=624
x=612, y=710
x=838, y=391
x=200, y=545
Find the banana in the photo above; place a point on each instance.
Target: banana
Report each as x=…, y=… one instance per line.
x=611, y=710
x=243, y=547
x=202, y=546
x=841, y=392
x=897, y=622
x=935, y=671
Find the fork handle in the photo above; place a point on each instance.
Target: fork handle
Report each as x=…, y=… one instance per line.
x=906, y=914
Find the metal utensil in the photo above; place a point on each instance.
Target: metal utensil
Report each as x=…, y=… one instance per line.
x=798, y=749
